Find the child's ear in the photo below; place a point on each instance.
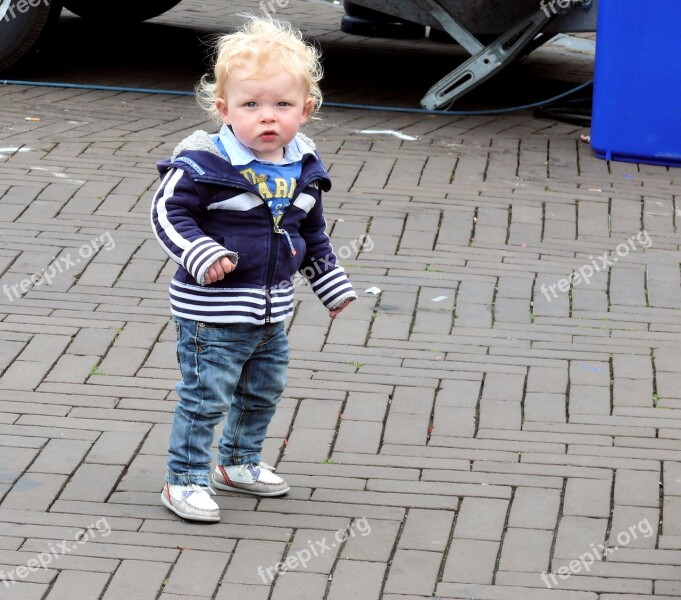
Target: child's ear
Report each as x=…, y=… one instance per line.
x=221, y=105
x=308, y=107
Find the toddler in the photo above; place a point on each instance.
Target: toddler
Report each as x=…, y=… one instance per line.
x=240, y=211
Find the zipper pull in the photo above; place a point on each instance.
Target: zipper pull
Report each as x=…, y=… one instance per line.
x=278, y=229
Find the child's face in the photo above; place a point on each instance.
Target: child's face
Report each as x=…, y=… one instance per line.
x=265, y=113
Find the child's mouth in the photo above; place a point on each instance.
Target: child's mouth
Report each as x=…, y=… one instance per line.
x=268, y=136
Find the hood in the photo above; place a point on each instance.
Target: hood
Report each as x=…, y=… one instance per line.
x=201, y=158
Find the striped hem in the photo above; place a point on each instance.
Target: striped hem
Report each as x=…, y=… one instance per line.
x=229, y=305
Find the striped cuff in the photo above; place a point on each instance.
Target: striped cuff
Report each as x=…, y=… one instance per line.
x=333, y=288
x=198, y=258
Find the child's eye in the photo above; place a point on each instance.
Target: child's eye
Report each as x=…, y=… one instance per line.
x=283, y=103
x=251, y=104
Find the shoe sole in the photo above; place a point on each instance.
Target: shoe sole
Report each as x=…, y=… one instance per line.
x=228, y=488
x=167, y=504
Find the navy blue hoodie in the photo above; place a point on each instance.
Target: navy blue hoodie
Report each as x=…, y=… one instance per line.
x=205, y=209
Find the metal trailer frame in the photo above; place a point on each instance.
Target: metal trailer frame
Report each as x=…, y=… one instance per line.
x=521, y=26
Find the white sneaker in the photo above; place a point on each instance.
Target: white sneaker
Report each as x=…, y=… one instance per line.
x=250, y=478
x=191, y=502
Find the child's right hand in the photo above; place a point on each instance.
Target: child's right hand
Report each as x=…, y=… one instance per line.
x=218, y=270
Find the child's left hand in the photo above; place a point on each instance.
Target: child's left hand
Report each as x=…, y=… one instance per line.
x=336, y=311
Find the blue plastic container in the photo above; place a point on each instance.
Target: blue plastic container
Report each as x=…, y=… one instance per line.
x=637, y=87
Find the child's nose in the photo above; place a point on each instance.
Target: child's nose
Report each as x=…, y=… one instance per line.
x=267, y=114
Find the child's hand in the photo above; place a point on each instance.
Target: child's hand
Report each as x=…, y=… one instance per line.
x=336, y=311
x=218, y=270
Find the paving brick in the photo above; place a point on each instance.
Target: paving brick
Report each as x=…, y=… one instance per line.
x=13, y=461
x=24, y=375
x=503, y=387
x=248, y=556
x=91, y=342
x=634, y=527
x=526, y=550
x=34, y=491
x=589, y=400
x=534, y=508
x=45, y=347
x=318, y=414
x=26, y=591
x=413, y=572
x=141, y=578
x=377, y=546
x=358, y=436
x=72, y=368
x=79, y=584
x=502, y=592
x=499, y=414
x=303, y=586
x=577, y=580
x=309, y=444
x=92, y=482
x=481, y=519
x=426, y=530
x=637, y=488
x=315, y=551
x=587, y=498
x=471, y=561
x=60, y=456
x=122, y=361
x=243, y=592
x=196, y=573
x=365, y=407
x=354, y=579
x=545, y=407
x=115, y=448
x=458, y=394
x=577, y=535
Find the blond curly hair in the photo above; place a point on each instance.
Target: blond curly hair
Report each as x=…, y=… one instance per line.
x=267, y=47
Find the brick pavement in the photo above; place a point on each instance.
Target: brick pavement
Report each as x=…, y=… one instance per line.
x=485, y=431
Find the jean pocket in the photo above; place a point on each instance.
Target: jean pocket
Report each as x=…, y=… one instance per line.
x=203, y=325
x=178, y=335
x=219, y=334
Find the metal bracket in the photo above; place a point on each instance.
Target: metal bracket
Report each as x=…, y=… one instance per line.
x=485, y=62
x=452, y=26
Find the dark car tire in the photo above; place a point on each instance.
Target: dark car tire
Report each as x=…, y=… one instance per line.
x=122, y=11
x=356, y=10
x=22, y=33
x=396, y=30
x=359, y=20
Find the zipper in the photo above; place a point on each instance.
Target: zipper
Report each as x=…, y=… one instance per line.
x=274, y=245
x=276, y=229
x=268, y=305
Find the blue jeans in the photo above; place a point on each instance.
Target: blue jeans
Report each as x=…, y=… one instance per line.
x=234, y=369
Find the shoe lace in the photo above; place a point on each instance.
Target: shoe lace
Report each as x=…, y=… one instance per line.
x=261, y=464
x=203, y=488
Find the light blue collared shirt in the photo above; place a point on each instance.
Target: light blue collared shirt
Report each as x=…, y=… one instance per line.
x=239, y=154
